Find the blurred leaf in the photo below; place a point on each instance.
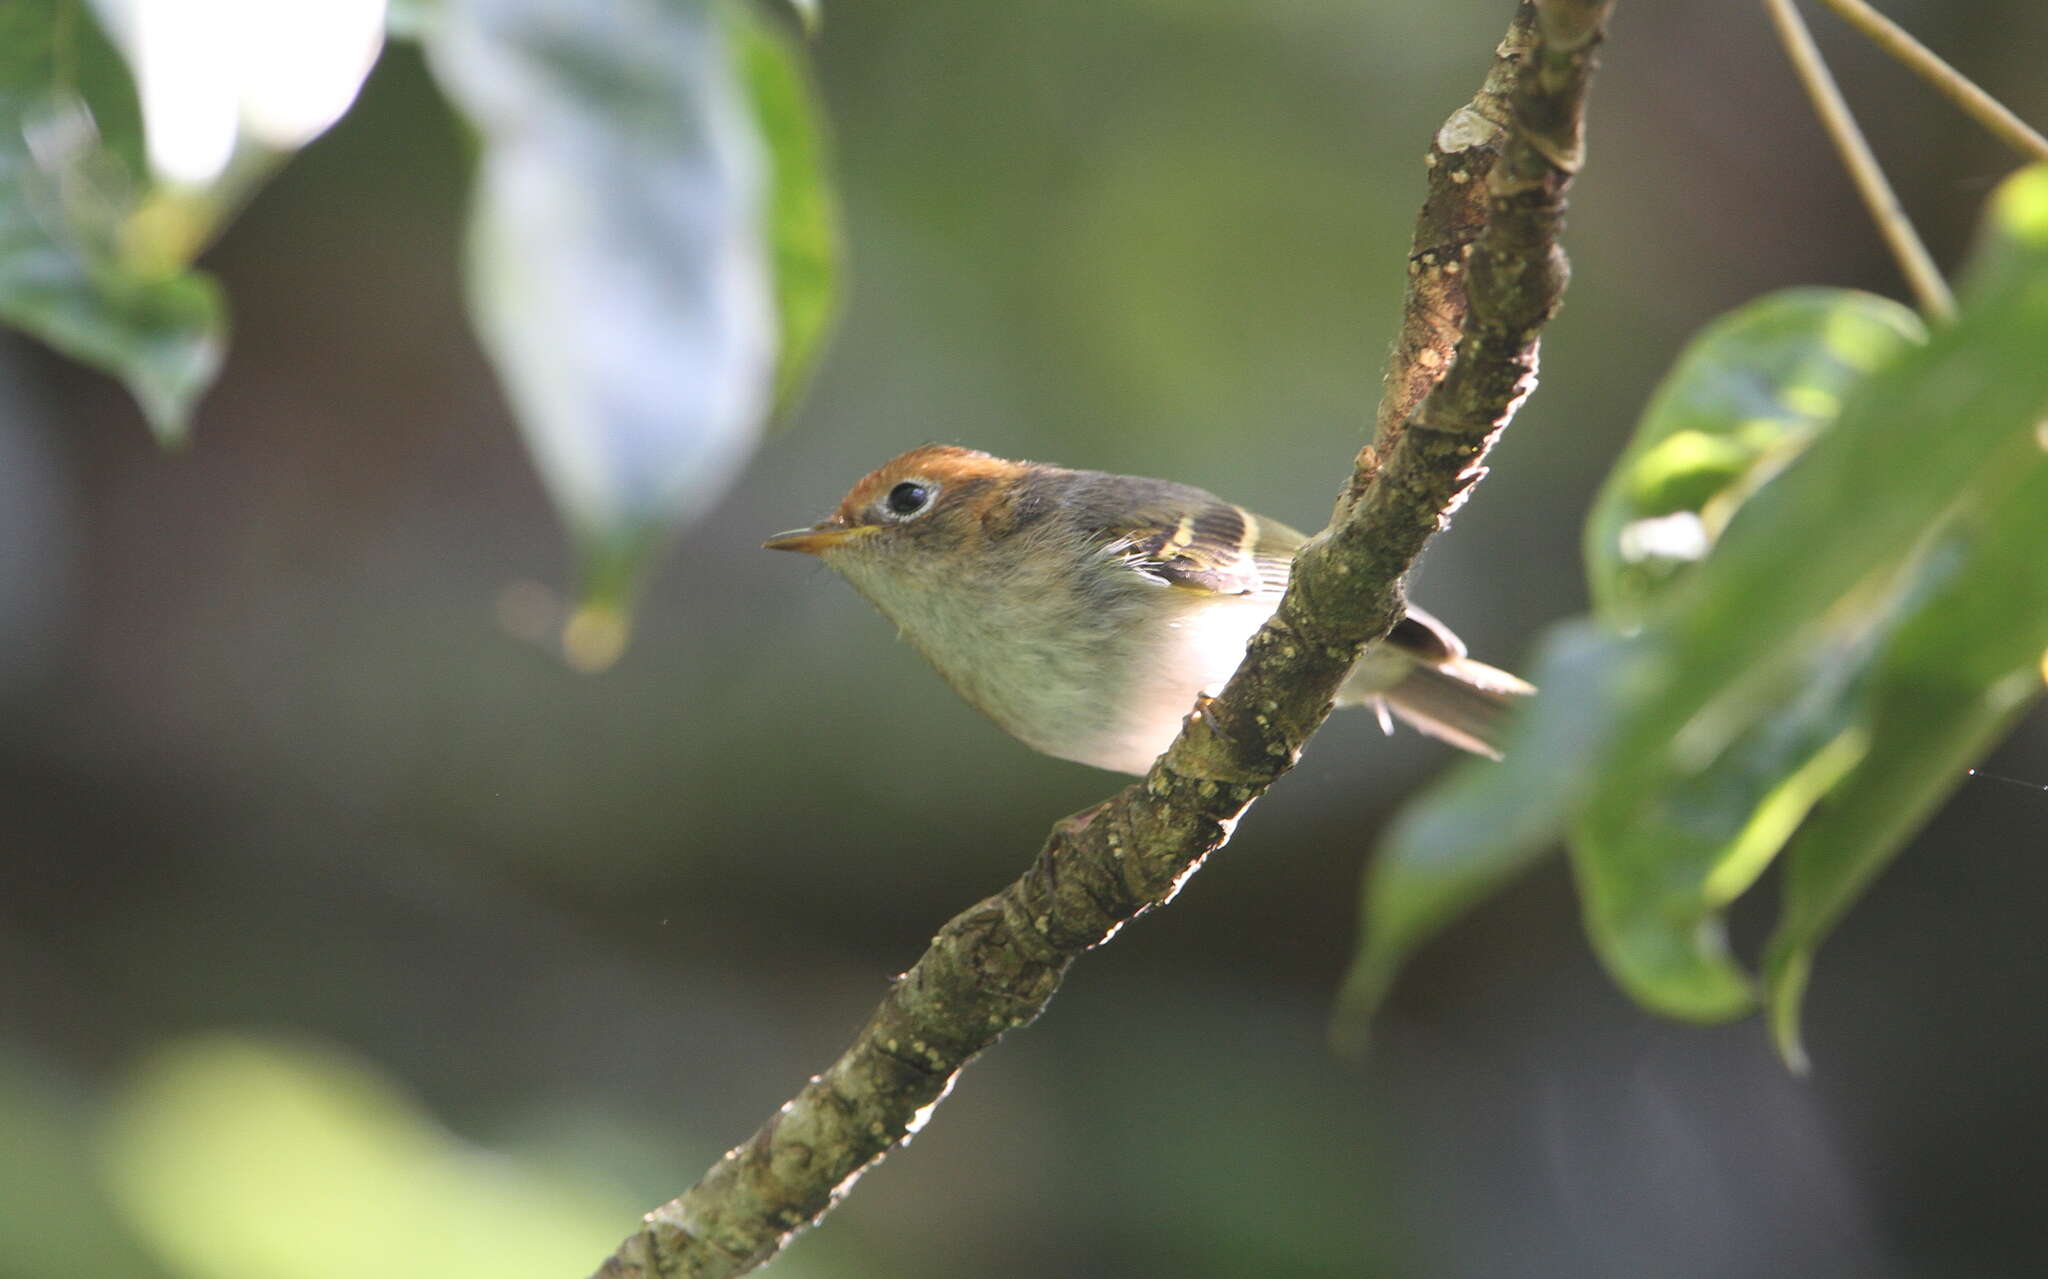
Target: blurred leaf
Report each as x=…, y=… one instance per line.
x=1656, y=871
x=54, y=1217
x=1949, y=683
x=1743, y=398
x=2015, y=227
x=1815, y=563
x=1867, y=620
x=1484, y=823
x=229, y=86
x=244, y=1158
x=79, y=262
x=811, y=13
x=618, y=276
x=803, y=223
x=1955, y=674
x=410, y=19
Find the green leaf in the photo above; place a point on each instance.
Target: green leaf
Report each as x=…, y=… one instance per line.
x=2015, y=227
x=1744, y=397
x=1960, y=667
x=803, y=220
x=1950, y=682
x=1485, y=823
x=1656, y=871
x=618, y=274
x=1868, y=617
x=1820, y=560
x=81, y=259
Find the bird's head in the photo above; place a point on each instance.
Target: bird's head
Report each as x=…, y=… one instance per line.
x=921, y=512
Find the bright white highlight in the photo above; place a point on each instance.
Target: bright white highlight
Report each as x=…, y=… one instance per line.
x=1679, y=536
x=212, y=72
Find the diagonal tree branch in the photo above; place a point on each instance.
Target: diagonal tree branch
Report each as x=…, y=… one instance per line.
x=1488, y=274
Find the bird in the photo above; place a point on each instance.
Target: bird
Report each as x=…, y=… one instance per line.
x=1084, y=611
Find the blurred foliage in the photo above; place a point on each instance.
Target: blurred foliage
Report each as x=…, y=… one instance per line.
x=803, y=229
x=294, y=786
x=1744, y=399
x=652, y=250
x=56, y=1215
x=621, y=255
x=1820, y=582
x=243, y=1158
x=93, y=257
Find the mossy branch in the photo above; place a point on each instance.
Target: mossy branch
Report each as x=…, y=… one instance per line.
x=1488, y=274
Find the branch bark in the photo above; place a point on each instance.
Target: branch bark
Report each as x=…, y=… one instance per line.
x=1486, y=275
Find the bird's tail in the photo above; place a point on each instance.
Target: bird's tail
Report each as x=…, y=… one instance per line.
x=1459, y=700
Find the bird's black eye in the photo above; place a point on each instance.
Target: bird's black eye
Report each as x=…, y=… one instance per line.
x=908, y=498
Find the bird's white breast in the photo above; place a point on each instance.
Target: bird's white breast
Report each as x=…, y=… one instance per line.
x=1099, y=668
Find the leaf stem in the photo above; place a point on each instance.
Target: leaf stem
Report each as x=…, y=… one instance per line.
x=1893, y=225
x=1900, y=44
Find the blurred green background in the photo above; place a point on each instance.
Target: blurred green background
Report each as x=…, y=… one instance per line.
x=344, y=932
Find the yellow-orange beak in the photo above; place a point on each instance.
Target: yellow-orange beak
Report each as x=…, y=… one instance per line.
x=813, y=540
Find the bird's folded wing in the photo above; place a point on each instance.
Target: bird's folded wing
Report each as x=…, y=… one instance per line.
x=1206, y=544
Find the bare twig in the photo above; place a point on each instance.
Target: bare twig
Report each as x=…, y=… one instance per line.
x=1922, y=276
x=1899, y=43
x=995, y=966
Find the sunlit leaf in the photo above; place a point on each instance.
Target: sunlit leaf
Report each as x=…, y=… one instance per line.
x=1821, y=555
x=1850, y=640
x=2015, y=227
x=803, y=223
x=80, y=260
x=1656, y=871
x=619, y=277
x=1948, y=685
x=222, y=79
x=1951, y=678
x=244, y=1158
x=1745, y=396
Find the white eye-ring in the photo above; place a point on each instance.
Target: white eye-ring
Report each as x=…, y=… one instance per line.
x=909, y=499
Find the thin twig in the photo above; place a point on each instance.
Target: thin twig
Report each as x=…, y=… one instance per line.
x=994, y=967
x=1997, y=118
x=1892, y=223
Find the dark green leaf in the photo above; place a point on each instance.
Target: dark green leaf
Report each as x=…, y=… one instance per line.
x=803, y=223
x=619, y=277
x=1655, y=871
x=1961, y=666
x=1745, y=396
x=1819, y=560
x=1869, y=619
x=79, y=266
x=1949, y=684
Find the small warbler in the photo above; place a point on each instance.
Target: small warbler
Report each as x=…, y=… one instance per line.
x=1083, y=611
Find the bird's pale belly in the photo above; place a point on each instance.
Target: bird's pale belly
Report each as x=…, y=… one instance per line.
x=1117, y=700
x=1102, y=678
